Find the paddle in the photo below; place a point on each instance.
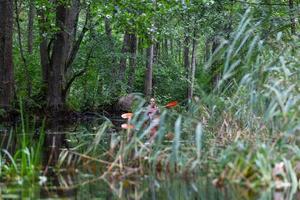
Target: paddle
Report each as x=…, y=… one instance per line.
x=128, y=116
x=171, y=104
x=127, y=126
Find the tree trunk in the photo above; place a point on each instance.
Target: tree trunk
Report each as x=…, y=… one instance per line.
x=30, y=26
x=179, y=52
x=58, y=60
x=70, y=28
x=108, y=32
x=150, y=60
x=149, y=70
x=186, y=52
x=132, y=61
x=123, y=60
x=6, y=58
x=172, y=47
x=141, y=48
x=166, y=48
x=72, y=45
x=292, y=17
x=58, y=54
x=156, y=52
x=186, y=58
x=207, y=52
x=44, y=55
x=215, y=65
x=45, y=63
x=192, y=70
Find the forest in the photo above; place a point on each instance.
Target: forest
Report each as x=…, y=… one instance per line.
x=150, y=99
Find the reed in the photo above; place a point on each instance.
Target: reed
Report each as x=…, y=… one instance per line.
x=245, y=132
x=235, y=134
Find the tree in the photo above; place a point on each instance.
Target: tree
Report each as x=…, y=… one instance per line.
x=124, y=51
x=55, y=82
x=6, y=58
x=292, y=17
x=149, y=71
x=186, y=57
x=192, y=68
x=31, y=14
x=132, y=60
x=59, y=52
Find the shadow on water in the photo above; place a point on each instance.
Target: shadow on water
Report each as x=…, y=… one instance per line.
x=76, y=182
x=55, y=142
x=147, y=189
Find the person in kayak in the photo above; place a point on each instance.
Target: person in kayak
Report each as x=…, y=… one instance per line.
x=153, y=115
x=152, y=109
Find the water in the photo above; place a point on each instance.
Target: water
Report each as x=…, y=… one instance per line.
x=78, y=181
x=84, y=187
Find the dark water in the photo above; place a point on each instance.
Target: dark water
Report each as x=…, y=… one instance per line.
x=88, y=182
x=81, y=187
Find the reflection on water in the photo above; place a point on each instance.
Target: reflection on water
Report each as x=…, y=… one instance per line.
x=54, y=141
x=85, y=184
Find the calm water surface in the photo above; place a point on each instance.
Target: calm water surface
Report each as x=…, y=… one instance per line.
x=85, y=183
x=148, y=188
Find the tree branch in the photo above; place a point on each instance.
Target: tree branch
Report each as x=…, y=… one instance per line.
x=49, y=51
x=80, y=73
x=76, y=75
x=76, y=46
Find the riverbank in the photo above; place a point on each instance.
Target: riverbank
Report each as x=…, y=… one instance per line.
x=222, y=151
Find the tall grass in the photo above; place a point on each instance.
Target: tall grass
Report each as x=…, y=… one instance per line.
x=20, y=158
x=239, y=133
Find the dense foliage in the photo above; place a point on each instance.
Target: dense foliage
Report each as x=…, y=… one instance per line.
x=232, y=65
x=106, y=50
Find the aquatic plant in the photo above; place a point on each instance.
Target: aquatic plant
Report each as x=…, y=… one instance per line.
x=237, y=134
x=20, y=157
